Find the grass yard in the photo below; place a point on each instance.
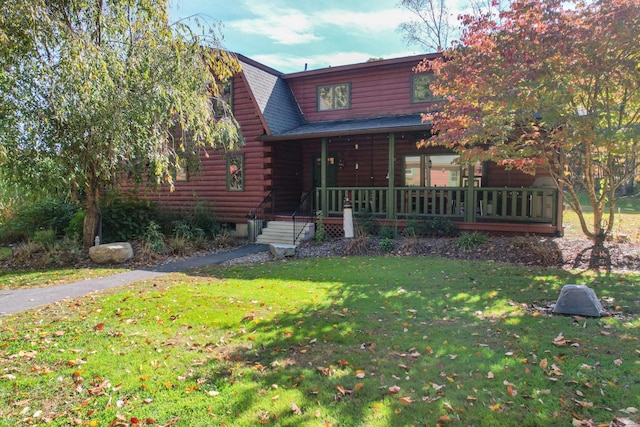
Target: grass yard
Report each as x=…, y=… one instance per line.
x=627, y=219
x=19, y=279
x=358, y=341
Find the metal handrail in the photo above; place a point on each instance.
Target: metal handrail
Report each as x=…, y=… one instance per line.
x=305, y=212
x=259, y=213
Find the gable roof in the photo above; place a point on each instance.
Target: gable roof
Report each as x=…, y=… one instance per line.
x=277, y=106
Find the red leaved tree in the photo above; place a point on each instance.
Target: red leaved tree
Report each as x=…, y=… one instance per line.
x=551, y=85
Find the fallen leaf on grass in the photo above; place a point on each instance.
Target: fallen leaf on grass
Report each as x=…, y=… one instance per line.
x=394, y=389
x=296, y=410
x=406, y=399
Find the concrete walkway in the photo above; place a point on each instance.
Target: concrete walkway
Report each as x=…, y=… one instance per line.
x=23, y=299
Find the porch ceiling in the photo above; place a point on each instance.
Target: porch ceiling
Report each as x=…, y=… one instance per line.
x=412, y=122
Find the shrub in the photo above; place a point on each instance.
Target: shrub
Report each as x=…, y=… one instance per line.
x=153, y=238
x=320, y=235
x=468, y=241
x=366, y=222
x=388, y=232
x=76, y=223
x=386, y=245
x=46, y=214
x=438, y=226
x=45, y=238
x=125, y=218
x=178, y=245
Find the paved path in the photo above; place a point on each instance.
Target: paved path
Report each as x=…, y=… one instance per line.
x=23, y=299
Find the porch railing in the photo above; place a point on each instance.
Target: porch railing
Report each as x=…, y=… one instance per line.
x=517, y=204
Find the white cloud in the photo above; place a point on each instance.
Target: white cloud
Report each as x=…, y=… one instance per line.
x=363, y=22
x=284, y=26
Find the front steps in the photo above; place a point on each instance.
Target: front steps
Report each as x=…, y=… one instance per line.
x=282, y=232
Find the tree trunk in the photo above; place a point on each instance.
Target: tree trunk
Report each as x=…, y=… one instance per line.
x=92, y=218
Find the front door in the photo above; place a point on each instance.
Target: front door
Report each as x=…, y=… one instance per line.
x=332, y=171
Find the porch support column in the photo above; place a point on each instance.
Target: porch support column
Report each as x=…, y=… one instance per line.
x=324, y=198
x=470, y=205
x=391, y=197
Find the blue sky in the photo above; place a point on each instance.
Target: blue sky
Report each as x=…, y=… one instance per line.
x=286, y=34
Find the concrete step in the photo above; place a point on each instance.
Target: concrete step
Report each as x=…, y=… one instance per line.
x=282, y=232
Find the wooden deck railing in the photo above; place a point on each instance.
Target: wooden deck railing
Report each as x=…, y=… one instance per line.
x=500, y=204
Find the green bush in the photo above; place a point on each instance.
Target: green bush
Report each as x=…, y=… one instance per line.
x=153, y=238
x=46, y=214
x=438, y=226
x=388, y=232
x=468, y=241
x=76, y=224
x=386, y=245
x=366, y=222
x=126, y=218
x=45, y=238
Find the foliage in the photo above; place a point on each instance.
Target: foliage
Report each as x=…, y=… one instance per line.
x=386, y=244
x=126, y=218
x=366, y=222
x=320, y=235
x=438, y=226
x=467, y=241
x=74, y=229
x=380, y=341
x=45, y=214
x=153, y=238
x=92, y=92
x=45, y=238
x=387, y=232
x=548, y=84
x=42, y=253
x=5, y=253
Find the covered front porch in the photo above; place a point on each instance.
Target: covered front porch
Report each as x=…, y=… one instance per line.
x=383, y=175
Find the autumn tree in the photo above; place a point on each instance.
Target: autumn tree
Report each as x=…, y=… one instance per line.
x=97, y=90
x=548, y=84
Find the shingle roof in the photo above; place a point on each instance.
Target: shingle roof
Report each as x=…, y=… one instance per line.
x=354, y=127
x=274, y=98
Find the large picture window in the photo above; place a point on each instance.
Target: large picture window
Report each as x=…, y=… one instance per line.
x=334, y=97
x=441, y=170
x=235, y=171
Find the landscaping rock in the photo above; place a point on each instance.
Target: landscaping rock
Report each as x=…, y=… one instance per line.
x=580, y=300
x=281, y=250
x=111, y=253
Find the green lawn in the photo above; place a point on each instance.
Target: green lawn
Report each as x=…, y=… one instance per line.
x=627, y=218
x=21, y=279
x=358, y=341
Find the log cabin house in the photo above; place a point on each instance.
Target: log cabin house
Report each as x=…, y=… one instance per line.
x=317, y=138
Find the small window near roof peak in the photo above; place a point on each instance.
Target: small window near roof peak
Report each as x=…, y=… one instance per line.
x=334, y=97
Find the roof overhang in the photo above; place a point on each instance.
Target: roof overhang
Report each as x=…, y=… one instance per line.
x=377, y=125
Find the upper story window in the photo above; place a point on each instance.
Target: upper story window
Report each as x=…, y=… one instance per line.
x=334, y=97
x=223, y=102
x=420, y=91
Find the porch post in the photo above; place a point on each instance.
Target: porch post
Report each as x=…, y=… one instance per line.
x=391, y=197
x=323, y=178
x=470, y=200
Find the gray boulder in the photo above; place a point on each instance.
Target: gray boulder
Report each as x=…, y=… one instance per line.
x=580, y=300
x=111, y=253
x=281, y=250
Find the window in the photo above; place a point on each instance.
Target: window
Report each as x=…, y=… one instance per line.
x=420, y=91
x=235, y=171
x=440, y=170
x=223, y=103
x=334, y=97
x=182, y=173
